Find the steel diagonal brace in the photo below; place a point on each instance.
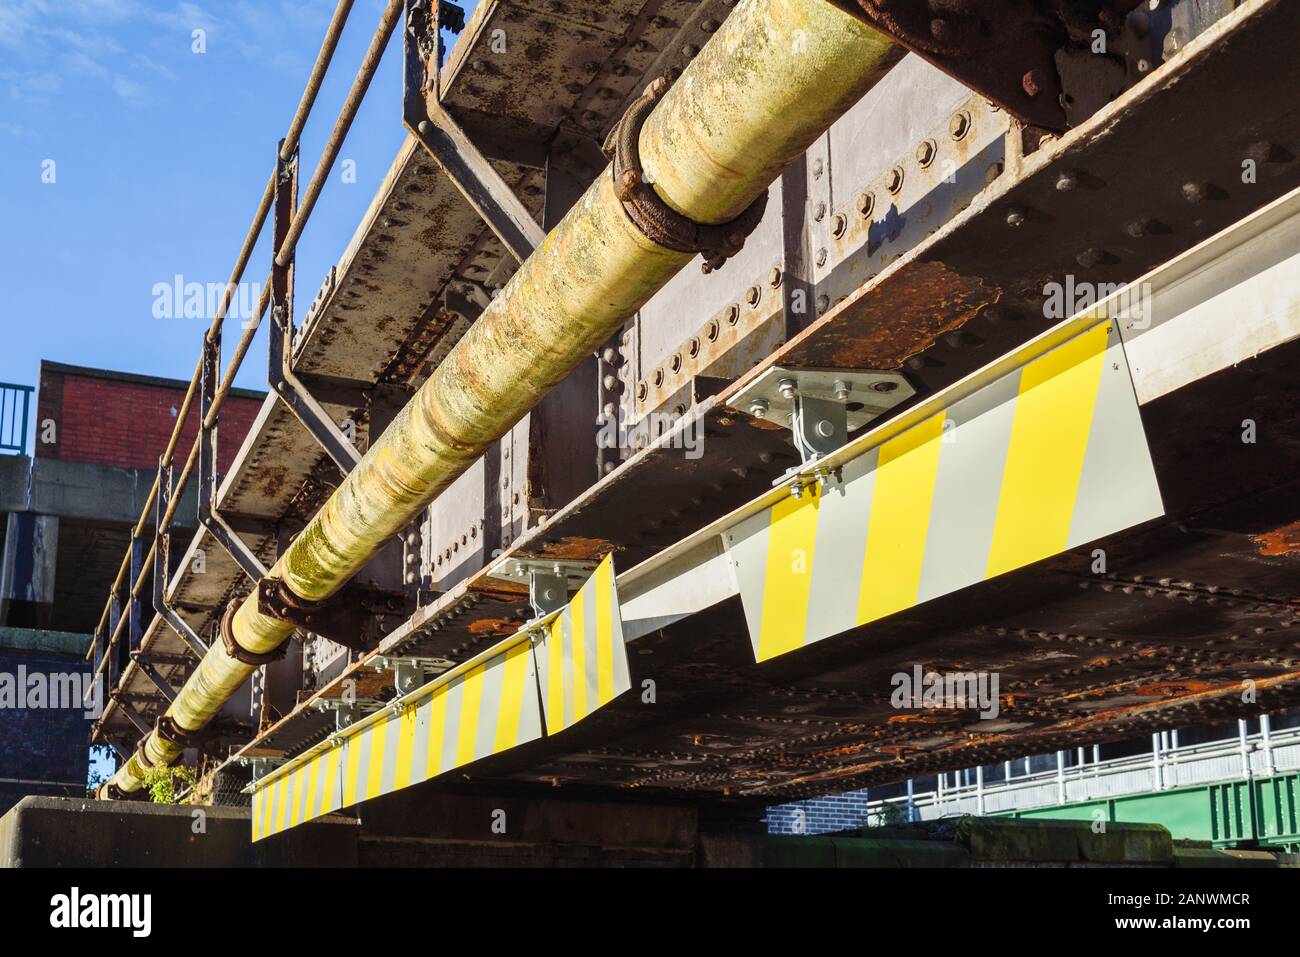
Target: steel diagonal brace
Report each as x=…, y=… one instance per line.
x=161, y=566
x=444, y=140
x=141, y=725
x=209, y=517
x=154, y=675
x=280, y=375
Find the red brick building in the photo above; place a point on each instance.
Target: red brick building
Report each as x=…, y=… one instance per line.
x=125, y=420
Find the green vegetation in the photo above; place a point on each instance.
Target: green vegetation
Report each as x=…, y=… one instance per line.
x=161, y=782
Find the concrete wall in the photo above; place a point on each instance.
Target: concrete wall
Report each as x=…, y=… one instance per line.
x=59, y=832
x=53, y=832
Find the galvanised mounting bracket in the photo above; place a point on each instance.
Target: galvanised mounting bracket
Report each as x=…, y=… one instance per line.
x=348, y=712
x=262, y=765
x=549, y=580
x=410, y=673
x=821, y=406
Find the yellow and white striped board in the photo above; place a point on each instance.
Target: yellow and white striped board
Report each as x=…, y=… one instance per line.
x=581, y=660
x=483, y=707
x=1046, y=457
x=487, y=705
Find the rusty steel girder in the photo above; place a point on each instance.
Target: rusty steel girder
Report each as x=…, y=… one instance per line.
x=1010, y=51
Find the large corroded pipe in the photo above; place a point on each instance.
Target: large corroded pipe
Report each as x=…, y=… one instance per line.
x=767, y=84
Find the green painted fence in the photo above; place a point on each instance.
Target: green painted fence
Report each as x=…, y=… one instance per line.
x=1263, y=811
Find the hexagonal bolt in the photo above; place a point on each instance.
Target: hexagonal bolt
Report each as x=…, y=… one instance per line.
x=926, y=151
x=894, y=179
x=959, y=124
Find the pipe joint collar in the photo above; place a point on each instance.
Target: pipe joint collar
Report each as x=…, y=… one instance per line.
x=168, y=730
x=237, y=651
x=660, y=223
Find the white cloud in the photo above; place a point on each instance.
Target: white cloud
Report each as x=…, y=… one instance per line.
x=77, y=62
x=32, y=87
x=14, y=130
x=148, y=63
x=46, y=41
x=129, y=91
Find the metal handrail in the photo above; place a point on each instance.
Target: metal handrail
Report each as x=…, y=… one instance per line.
x=347, y=114
x=1204, y=752
x=13, y=425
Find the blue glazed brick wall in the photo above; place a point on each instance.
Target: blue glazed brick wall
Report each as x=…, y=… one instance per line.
x=824, y=815
x=48, y=744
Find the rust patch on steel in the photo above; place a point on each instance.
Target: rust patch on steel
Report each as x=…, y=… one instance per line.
x=1176, y=689
x=922, y=718
x=1280, y=541
x=895, y=317
x=494, y=626
x=578, y=549
x=498, y=588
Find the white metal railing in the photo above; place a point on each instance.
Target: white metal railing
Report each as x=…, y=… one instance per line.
x=1261, y=754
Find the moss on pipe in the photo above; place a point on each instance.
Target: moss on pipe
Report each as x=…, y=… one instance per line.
x=774, y=77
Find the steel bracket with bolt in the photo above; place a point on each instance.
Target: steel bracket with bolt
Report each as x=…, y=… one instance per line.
x=549, y=580
x=410, y=673
x=348, y=712
x=822, y=406
x=262, y=765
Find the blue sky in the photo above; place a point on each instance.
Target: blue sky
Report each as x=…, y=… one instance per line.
x=160, y=155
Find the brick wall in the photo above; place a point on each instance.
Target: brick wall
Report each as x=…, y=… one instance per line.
x=824, y=815
x=41, y=745
x=110, y=418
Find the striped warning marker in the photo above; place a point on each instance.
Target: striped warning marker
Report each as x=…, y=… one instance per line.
x=1047, y=457
x=484, y=707
x=581, y=660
